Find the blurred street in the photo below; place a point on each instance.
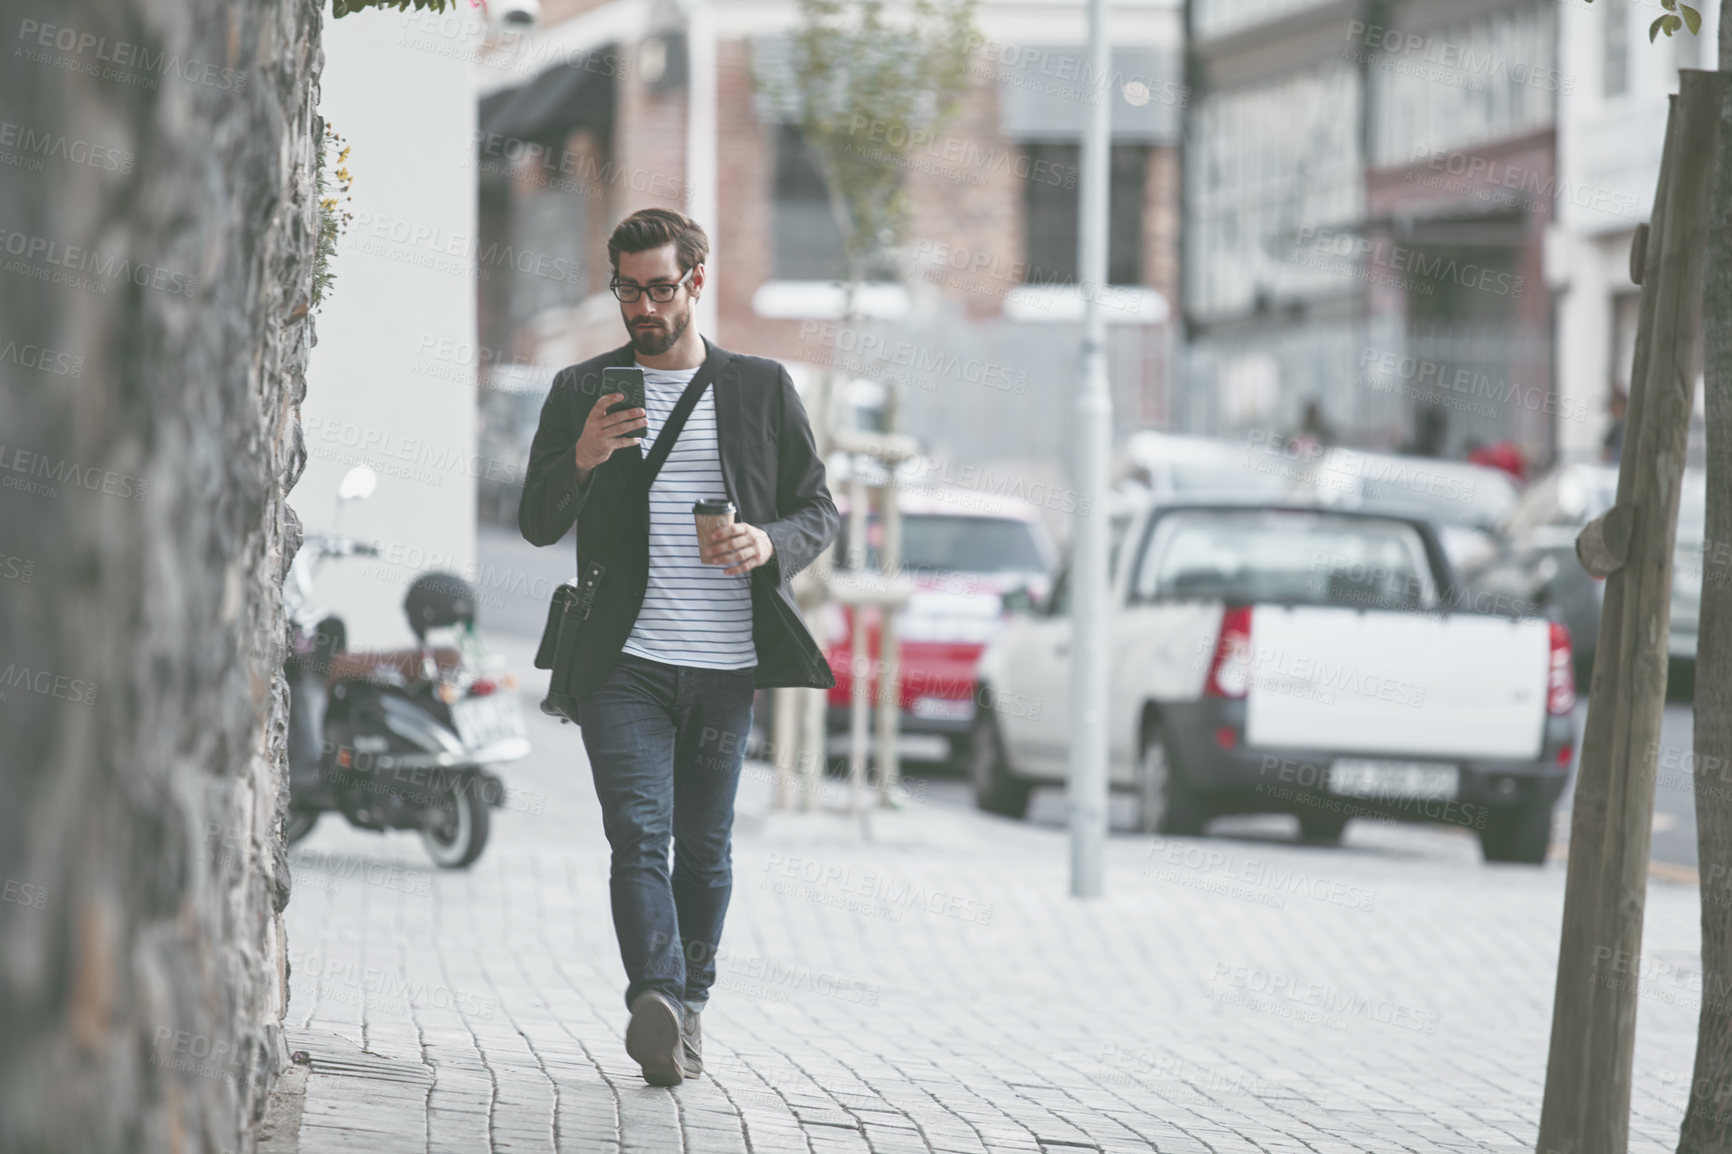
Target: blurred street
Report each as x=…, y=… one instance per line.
x=1216, y=444
x=921, y=981
x=516, y=579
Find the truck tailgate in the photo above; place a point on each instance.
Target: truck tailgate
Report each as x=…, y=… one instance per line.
x=1367, y=681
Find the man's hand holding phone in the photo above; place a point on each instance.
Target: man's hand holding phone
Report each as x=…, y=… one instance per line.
x=605, y=432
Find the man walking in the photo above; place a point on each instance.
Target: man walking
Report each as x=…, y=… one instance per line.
x=673, y=640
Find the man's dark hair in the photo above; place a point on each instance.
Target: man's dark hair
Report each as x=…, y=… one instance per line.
x=649, y=228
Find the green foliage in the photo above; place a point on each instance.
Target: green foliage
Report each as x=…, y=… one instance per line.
x=869, y=86
x=345, y=7
x=333, y=181
x=1677, y=15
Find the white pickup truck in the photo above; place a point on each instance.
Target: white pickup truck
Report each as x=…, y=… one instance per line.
x=1292, y=660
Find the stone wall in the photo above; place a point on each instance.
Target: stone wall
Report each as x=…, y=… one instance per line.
x=157, y=221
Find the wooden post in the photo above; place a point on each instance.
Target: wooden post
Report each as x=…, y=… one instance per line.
x=859, y=660
x=884, y=591
x=889, y=640
x=814, y=741
x=1588, y=1073
x=800, y=737
x=784, y=742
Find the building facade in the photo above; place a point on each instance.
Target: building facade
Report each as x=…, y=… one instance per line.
x=1368, y=192
x=1610, y=136
x=973, y=319
x=386, y=385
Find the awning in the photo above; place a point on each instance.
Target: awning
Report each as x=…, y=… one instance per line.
x=559, y=100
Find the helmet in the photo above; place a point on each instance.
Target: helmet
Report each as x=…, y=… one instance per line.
x=439, y=599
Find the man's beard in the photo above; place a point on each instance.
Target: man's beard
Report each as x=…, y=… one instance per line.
x=654, y=341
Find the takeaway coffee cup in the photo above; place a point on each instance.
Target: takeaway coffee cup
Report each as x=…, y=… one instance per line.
x=710, y=516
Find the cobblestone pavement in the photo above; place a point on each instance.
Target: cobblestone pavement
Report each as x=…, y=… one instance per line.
x=921, y=982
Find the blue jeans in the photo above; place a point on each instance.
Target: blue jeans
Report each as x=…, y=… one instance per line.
x=665, y=744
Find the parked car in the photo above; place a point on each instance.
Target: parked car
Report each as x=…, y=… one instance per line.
x=1468, y=504
x=1293, y=659
x=964, y=550
x=1535, y=563
x=1171, y=466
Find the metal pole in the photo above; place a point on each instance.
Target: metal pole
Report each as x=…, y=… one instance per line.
x=701, y=196
x=1091, y=443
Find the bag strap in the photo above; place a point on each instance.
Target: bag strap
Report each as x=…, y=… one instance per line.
x=676, y=421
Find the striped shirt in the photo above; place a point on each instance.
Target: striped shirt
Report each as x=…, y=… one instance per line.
x=693, y=614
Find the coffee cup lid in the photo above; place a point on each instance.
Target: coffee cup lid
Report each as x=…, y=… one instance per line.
x=712, y=508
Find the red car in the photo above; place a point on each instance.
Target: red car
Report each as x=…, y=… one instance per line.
x=963, y=550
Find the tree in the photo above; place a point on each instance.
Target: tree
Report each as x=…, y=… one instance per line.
x=867, y=86
x=1707, y=1125
x=865, y=93
x=340, y=8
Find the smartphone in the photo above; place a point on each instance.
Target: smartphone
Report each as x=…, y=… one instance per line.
x=627, y=380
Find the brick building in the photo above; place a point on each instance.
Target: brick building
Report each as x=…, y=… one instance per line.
x=975, y=317
x=1369, y=191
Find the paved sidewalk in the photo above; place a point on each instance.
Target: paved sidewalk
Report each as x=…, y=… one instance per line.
x=922, y=983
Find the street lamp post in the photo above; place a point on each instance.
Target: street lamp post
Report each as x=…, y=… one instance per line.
x=1091, y=442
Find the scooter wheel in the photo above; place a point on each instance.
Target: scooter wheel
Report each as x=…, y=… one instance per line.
x=456, y=829
x=300, y=824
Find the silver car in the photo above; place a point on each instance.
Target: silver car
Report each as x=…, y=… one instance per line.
x=1466, y=503
x=1536, y=561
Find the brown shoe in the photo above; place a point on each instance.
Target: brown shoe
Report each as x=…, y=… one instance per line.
x=692, y=1043
x=653, y=1038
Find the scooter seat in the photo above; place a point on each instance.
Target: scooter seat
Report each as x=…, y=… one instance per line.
x=368, y=665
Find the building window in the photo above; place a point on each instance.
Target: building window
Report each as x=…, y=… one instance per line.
x=1219, y=17
x=1052, y=201
x=1615, y=51
x=1264, y=164
x=1502, y=81
x=493, y=203
x=808, y=239
x=545, y=264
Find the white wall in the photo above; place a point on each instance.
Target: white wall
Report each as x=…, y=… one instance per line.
x=391, y=382
x=1608, y=163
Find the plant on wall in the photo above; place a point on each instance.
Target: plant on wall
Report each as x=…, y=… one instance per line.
x=345, y=7
x=333, y=181
x=1680, y=15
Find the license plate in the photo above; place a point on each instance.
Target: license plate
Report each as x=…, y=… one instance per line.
x=485, y=721
x=1396, y=780
x=943, y=709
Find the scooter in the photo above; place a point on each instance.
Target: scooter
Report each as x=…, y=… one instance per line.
x=396, y=739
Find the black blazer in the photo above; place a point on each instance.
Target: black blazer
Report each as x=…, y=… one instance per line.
x=770, y=467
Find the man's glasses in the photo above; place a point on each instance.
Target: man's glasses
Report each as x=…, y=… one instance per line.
x=660, y=292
